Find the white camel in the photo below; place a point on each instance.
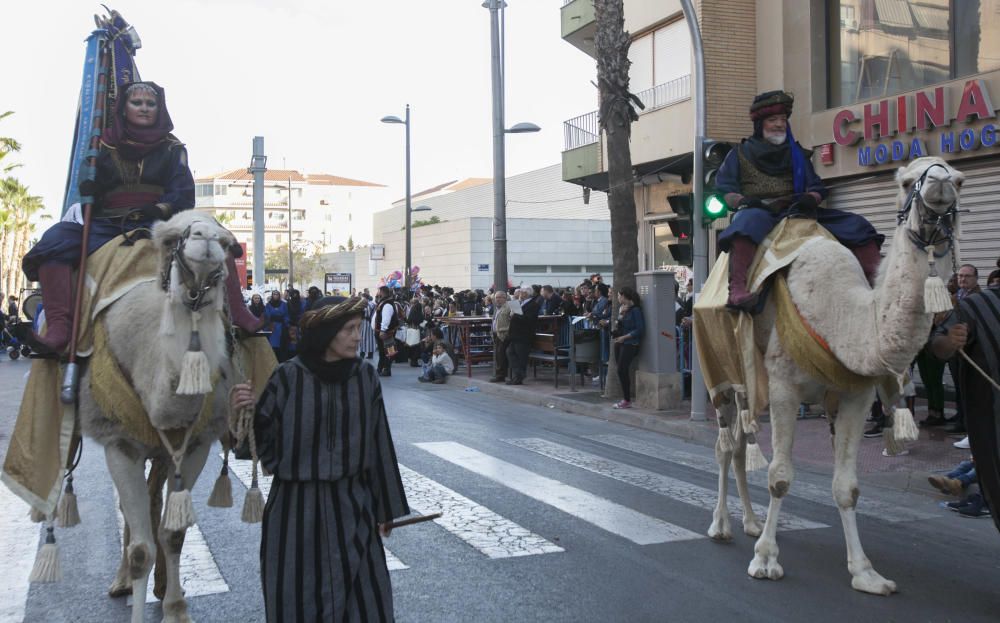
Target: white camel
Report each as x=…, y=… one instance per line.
x=153, y=332
x=873, y=332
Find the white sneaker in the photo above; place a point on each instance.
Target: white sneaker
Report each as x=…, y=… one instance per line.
x=963, y=444
x=886, y=454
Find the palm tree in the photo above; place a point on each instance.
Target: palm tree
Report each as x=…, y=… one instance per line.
x=8, y=145
x=17, y=207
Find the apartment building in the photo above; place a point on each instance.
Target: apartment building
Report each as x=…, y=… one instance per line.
x=325, y=211
x=876, y=84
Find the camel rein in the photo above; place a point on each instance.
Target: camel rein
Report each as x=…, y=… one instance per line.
x=194, y=297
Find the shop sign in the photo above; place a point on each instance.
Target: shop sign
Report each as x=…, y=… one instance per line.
x=337, y=284
x=920, y=124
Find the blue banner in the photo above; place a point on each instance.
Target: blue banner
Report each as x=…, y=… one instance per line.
x=84, y=120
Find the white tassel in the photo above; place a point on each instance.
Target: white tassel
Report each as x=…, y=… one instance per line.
x=892, y=447
x=178, y=513
x=755, y=457
x=253, y=503
x=222, y=492
x=196, y=377
x=68, y=512
x=903, y=426
x=167, y=317
x=936, y=296
x=46, y=567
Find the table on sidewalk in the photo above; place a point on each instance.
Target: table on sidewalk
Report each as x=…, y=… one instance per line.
x=476, y=342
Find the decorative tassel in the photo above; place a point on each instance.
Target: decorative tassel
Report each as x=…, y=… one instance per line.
x=727, y=443
x=68, y=513
x=903, y=426
x=167, y=327
x=195, y=375
x=892, y=447
x=222, y=492
x=36, y=515
x=936, y=297
x=253, y=503
x=46, y=567
x=178, y=513
x=755, y=458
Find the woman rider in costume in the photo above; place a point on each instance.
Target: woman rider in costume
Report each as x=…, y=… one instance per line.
x=142, y=176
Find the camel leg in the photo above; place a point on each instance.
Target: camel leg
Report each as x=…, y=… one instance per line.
x=122, y=584
x=850, y=424
x=784, y=410
x=126, y=467
x=174, y=606
x=720, y=530
x=159, y=469
x=751, y=525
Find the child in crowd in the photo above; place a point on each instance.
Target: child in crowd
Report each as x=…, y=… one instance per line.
x=440, y=367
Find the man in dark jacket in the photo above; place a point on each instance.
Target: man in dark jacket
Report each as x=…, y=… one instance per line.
x=521, y=335
x=551, y=304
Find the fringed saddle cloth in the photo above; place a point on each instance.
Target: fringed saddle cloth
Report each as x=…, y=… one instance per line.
x=729, y=357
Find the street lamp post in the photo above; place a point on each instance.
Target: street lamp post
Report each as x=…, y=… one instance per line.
x=409, y=241
x=405, y=122
x=499, y=131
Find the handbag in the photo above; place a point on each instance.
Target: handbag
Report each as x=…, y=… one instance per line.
x=412, y=337
x=401, y=334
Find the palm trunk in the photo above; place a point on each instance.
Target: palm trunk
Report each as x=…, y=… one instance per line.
x=616, y=116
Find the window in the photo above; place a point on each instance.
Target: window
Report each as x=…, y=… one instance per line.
x=883, y=47
x=567, y=268
x=221, y=189
x=530, y=268
x=203, y=190
x=659, y=58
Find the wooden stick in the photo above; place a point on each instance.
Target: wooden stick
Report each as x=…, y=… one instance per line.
x=411, y=520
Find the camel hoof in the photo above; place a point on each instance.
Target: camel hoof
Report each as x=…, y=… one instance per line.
x=871, y=582
x=752, y=527
x=121, y=587
x=176, y=612
x=719, y=531
x=765, y=568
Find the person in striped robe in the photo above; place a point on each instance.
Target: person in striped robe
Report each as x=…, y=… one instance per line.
x=322, y=431
x=367, y=346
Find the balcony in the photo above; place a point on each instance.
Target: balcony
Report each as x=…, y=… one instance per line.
x=579, y=24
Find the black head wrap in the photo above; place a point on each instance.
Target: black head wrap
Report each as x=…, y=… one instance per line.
x=319, y=326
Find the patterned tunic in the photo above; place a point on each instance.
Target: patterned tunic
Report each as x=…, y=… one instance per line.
x=335, y=478
x=367, y=344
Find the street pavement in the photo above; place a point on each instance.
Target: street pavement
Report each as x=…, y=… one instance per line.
x=548, y=516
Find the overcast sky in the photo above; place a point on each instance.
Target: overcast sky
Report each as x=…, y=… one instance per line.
x=313, y=77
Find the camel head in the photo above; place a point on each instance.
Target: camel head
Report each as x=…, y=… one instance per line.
x=193, y=248
x=928, y=197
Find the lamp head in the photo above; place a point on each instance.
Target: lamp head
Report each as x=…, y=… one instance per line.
x=522, y=128
x=392, y=119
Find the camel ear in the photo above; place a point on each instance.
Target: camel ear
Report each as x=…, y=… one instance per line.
x=167, y=233
x=229, y=242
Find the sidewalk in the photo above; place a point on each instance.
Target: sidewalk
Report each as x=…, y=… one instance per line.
x=931, y=453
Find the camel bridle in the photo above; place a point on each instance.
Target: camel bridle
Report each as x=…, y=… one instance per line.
x=936, y=228
x=195, y=291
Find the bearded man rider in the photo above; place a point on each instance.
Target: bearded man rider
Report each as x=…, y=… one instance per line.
x=769, y=177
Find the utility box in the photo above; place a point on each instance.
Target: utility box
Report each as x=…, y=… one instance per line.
x=658, y=381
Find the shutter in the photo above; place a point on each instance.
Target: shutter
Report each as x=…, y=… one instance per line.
x=875, y=200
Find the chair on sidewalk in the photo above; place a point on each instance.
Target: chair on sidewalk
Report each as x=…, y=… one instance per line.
x=545, y=350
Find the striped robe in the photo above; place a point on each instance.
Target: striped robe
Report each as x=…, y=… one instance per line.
x=335, y=477
x=367, y=344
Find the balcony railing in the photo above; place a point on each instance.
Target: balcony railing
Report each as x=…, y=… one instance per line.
x=580, y=131
x=665, y=94
x=584, y=130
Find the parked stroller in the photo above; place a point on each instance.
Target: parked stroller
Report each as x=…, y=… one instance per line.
x=15, y=333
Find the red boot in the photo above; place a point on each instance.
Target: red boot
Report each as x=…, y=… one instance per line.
x=238, y=311
x=57, y=301
x=741, y=253
x=869, y=257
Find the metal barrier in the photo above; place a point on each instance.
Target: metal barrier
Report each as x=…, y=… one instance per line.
x=580, y=131
x=665, y=94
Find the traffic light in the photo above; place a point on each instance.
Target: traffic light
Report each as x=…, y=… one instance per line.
x=680, y=228
x=714, y=203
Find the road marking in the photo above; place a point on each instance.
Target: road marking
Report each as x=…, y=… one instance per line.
x=200, y=575
x=243, y=470
x=651, y=481
x=475, y=524
x=807, y=491
x=615, y=518
x=18, y=546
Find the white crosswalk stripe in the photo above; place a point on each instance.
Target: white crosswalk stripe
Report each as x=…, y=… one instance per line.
x=243, y=470
x=615, y=518
x=18, y=545
x=650, y=481
x=475, y=524
x=804, y=490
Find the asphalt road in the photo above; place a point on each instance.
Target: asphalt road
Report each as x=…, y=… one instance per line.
x=548, y=517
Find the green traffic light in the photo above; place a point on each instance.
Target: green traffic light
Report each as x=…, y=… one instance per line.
x=715, y=207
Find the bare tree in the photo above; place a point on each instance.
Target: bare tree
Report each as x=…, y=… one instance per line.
x=616, y=114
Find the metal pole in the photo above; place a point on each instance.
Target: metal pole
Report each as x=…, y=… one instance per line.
x=291, y=267
x=499, y=189
x=699, y=235
x=409, y=208
x=257, y=167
